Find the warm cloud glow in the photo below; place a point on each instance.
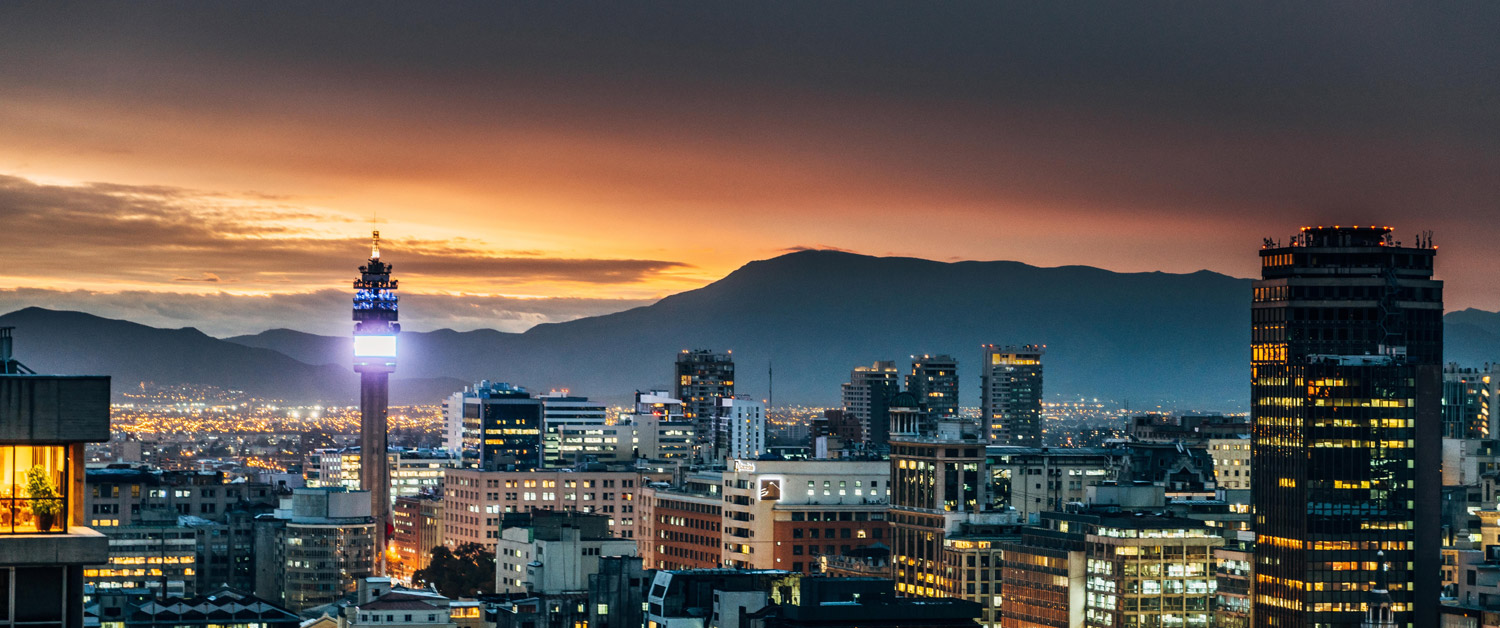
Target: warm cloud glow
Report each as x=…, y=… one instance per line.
x=543, y=154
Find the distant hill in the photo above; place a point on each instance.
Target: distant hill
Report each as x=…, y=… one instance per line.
x=51, y=341
x=817, y=314
x=1143, y=337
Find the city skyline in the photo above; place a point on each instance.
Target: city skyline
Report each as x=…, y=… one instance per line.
x=187, y=156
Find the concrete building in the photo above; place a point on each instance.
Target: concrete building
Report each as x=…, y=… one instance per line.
x=1234, y=575
x=866, y=398
x=933, y=380
x=784, y=514
x=1110, y=565
x=1010, y=387
x=154, y=553
x=418, y=523
x=474, y=500
x=739, y=429
x=45, y=421
x=636, y=436
x=377, y=603
x=561, y=410
x=1032, y=480
x=412, y=471
x=315, y=548
x=118, y=494
x=553, y=553
x=682, y=527
x=1231, y=458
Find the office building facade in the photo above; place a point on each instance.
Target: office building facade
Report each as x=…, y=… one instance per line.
x=1346, y=402
x=502, y=428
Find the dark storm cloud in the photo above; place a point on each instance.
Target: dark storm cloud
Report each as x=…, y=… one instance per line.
x=1207, y=122
x=108, y=232
x=324, y=311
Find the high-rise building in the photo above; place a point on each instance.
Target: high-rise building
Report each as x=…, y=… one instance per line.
x=703, y=378
x=375, y=330
x=1346, y=399
x=45, y=421
x=1468, y=398
x=934, y=381
x=453, y=423
x=867, y=396
x=418, y=524
x=1011, y=394
x=740, y=429
x=502, y=427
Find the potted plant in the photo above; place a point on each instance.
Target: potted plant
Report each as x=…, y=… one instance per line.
x=44, y=497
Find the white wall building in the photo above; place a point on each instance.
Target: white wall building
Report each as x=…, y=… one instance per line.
x=740, y=429
x=551, y=553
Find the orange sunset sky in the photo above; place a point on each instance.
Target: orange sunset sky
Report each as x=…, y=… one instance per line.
x=219, y=165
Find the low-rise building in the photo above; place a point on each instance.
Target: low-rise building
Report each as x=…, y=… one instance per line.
x=474, y=500
x=681, y=527
x=783, y=514
x=551, y=553
x=220, y=608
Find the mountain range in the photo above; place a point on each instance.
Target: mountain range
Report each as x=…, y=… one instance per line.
x=810, y=316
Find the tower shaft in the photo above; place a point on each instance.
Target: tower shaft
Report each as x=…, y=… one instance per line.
x=374, y=465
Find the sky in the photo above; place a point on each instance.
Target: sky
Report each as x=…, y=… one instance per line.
x=220, y=165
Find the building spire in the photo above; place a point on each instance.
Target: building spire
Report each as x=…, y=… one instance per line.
x=375, y=244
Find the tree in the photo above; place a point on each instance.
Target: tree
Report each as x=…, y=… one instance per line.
x=466, y=570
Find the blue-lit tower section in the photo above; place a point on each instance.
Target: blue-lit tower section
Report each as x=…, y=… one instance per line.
x=375, y=330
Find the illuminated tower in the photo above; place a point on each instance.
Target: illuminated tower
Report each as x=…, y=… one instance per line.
x=1346, y=397
x=375, y=330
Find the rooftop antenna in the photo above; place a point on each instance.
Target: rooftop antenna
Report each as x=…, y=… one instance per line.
x=770, y=385
x=375, y=235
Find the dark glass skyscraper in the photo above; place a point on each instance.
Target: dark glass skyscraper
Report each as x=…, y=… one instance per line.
x=1346, y=398
x=1010, y=386
x=503, y=424
x=375, y=329
x=703, y=378
x=934, y=381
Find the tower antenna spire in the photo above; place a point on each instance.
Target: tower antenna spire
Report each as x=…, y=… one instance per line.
x=374, y=244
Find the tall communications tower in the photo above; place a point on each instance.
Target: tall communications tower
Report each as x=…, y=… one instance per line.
x=375, y=330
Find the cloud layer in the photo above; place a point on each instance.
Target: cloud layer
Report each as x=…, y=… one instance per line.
x=618, y=151
x=141, y=236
